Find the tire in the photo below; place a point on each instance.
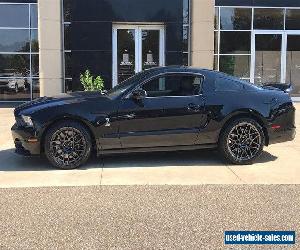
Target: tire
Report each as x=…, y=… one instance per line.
x=68, y=145
x=242, y=141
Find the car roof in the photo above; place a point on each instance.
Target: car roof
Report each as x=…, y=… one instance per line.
x=175, y=68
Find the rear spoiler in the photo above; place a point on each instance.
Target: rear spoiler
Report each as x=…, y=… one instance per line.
x=286, y=87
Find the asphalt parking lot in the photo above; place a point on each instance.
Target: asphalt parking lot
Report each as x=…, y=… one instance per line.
x=144, y=217
x=279, y=164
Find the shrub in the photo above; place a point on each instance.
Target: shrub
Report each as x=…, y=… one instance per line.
x=90, y=83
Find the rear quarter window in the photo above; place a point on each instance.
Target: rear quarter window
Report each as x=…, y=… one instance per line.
x=226, y=84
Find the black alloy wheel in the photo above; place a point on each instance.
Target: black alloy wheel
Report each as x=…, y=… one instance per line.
x=68, y=145
x=242, y=141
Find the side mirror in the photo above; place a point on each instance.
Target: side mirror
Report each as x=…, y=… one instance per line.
x=138, y=94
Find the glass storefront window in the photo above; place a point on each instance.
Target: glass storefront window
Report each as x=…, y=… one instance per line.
x=235, y=42
x=216, y=62
x=68, y=65
x=216, y=18
x=292, y=19
x=268, y=19
x=33, y=16
x=35, y=88
x=19, y=57
x=235, y=18
x=14, y=15
x=293, y=63
x=67, y=39
x=216, y=42
x=185, y=39
x=235, y=65
x=14, y=65
x=34, y=40
x=12, y=40
x=268, y=58
x=126, y=54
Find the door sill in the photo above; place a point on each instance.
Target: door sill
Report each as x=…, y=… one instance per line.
x=157, y=149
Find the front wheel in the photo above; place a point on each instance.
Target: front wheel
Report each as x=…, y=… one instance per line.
x=242, y=141
x=68, y=145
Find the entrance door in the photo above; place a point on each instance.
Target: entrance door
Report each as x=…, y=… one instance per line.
x=293, y=62
x=276, y=58
x=136, y=48
x=268, y=62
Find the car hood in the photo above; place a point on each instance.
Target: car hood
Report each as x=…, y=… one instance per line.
x=62, y=99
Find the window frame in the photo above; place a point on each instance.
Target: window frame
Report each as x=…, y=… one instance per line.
x=138, y=86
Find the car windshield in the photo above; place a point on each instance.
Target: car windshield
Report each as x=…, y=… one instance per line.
x=125, y=85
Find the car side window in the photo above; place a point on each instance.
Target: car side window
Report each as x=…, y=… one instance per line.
x=173, y=85
x=226, y=84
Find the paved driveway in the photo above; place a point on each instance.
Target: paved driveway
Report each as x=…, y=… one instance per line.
x=279, y=164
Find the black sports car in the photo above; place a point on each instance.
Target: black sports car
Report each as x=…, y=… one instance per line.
x=162, y=109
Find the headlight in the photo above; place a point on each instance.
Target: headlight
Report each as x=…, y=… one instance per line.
x=27, y=121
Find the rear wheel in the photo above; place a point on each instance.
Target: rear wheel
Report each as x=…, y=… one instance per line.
x=68, y=145
x=242, y=141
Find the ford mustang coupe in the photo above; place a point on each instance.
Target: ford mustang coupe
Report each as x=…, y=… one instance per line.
x=161, y=109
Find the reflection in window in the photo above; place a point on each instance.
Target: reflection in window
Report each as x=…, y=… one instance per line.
x=269, y=19
x=12, y=40
x=293, y=62
x=34, y=40
x=216, y=62
x=35, y=88
x=267, y=58
x=33, y=16
x=235, y=65
x=67, y=10
x=150, y=48
x=186, y=32
x=185, y=38
x=14, y=15
x=68, y=64
x=14, y=65
x=67, y=38
x=235, y=18
x=216, y=18
x=216, y=42
x=235, y=42
x=292, y=19
x=186, y=12
x=126, y=54
x=35, y=65
x=18, y=50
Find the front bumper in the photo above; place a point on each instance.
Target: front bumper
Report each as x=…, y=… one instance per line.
x=23, y=139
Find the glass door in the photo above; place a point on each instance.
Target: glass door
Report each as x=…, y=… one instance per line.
x=125, y=54
x=293, y=62
x=136, y=48
x=267, y=65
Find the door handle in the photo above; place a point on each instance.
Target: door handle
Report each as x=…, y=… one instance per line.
x=194, y=107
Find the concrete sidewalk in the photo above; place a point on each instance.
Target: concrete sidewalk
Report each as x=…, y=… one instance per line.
x=279, y=164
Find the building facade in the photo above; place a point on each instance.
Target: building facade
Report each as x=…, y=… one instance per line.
x=45, y=45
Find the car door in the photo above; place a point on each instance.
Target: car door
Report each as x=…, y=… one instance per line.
x=171, y=114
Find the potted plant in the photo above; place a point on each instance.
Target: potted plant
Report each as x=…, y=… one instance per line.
x=91, y=83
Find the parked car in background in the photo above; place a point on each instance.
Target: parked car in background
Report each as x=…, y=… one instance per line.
x=161, y=109
x=12, y=82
